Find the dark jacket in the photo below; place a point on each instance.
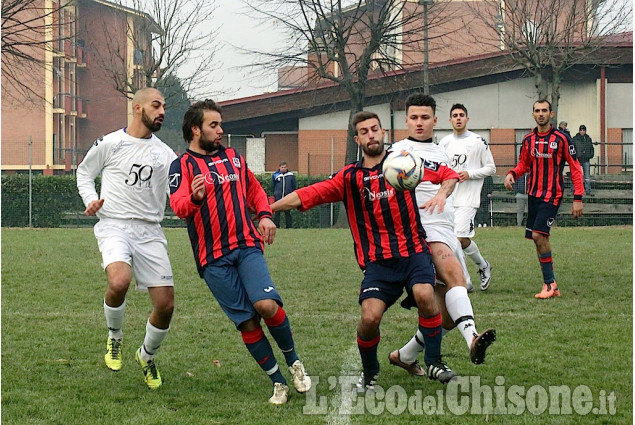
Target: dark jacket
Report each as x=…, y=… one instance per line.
x=583, y=147
x=282, y=184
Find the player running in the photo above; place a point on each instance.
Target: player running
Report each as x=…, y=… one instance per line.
x=134, y=165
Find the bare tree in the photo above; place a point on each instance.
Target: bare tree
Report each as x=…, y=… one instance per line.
x=548, y=37
x=345, y=44
x=181, y=43
x=26, y=37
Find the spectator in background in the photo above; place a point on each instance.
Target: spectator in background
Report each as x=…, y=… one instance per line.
x=282, y=183
x=520, y=187
x=482, y=215
x=563, y=127
x=584, y=150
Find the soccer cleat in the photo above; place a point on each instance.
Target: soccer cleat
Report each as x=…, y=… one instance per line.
x=364, y=384
x=548, y=290
x=439, y=371
x=150, y=371
x=480, y=344
x=280, y=394
x=113, y=354
x=301, y=381
x=412, y=368
x=486, y=276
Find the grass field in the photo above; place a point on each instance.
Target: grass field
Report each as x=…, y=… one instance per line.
x=53, y=336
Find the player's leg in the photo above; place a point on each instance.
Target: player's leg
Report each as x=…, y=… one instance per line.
x=464, y=229
x=116, y=259
x=431, y=330
x=256, y=280
x=539, y=221
x=221, y=277
x=368, y=337
x=153, y=273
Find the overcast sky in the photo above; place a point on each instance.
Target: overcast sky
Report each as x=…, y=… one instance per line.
x=240, y=30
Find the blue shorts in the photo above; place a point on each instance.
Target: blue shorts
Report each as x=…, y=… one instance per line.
x=387, y=279
x=238, y=280
x=540, y=216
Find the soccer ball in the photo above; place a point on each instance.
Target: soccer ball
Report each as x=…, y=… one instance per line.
x=403, y=170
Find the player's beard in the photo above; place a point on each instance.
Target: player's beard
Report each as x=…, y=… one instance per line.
x=150, y=124
x=208, y=145
x=374, y=150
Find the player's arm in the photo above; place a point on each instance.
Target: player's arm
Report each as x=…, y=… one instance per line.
x=187, y=192
x=257, y=200
x=521, y=168
x=87, y=171
x=257, y=197
x=289, y=202
x=447, y=177
x=576, y=177
x=488, y=167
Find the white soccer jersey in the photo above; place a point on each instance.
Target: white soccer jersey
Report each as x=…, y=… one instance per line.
x=134, y=176
x=426, y=190
x=469, y=152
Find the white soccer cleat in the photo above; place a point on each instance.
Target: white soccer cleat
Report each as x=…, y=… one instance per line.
x=486, y=276
x=301, y=381
x=280, y=394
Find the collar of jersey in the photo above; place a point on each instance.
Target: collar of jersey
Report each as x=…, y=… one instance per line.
x=420, y=141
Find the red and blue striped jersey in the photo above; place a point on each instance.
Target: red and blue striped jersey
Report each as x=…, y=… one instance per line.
x=543, y=155
x=384, y=222
x=221, y=221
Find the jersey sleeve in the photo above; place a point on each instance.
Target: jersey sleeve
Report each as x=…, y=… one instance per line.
x=324, y=192
x=437, y=173
x=577, y=177
x=89, y=169
x=523, y=162
x=488, y=167
x=257, y=197
x=181, y=200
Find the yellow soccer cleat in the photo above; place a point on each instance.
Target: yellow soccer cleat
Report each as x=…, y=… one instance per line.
x=113, y=354
x=150, y=371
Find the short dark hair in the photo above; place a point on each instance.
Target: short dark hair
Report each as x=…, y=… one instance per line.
x=420, y=99
x=194, y=116
x=541, y=101
x=458, y=106
x=363, y=116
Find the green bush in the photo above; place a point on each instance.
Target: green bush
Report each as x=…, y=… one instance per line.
x=57, y=196
x=53, y=196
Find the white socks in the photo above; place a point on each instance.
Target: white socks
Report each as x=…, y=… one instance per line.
x=152, y=341
x=114, y=319
x=473, y=252
x=409, y=352
x=459, y=307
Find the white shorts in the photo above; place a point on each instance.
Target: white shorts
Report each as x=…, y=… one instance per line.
x=464, y=221
x=140, y=244
x=446, y=235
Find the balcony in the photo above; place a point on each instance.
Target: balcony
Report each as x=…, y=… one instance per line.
x=82, y=107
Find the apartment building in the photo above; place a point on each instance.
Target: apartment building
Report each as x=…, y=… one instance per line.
x=95, y=50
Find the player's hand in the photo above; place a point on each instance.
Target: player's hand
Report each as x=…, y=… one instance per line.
x=437, y=202
x=93, y=207
x=576, y=209
x=463, y=175
x=509, y=181
x=198, y=187
x=267, y=229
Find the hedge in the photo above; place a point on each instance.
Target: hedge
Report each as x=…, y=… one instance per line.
x=56, y=202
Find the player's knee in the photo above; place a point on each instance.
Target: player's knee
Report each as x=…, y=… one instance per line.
x=370, y=320
x=266, y=308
